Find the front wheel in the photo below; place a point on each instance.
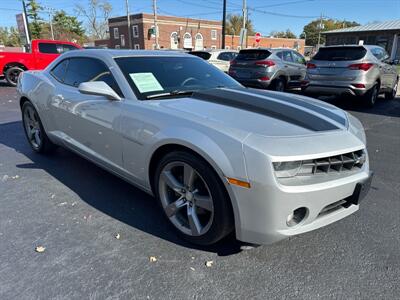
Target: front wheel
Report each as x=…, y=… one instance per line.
x=193, y=198
x=12, y=74
x=392, y=94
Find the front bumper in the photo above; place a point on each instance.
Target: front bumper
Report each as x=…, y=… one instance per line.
x=264, y=212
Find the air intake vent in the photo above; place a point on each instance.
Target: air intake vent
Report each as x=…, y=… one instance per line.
x=339, y=163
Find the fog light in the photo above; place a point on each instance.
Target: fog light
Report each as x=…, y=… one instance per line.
x=296, y=216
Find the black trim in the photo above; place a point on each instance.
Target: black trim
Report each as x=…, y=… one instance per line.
x=303, y=103
x=266, y=107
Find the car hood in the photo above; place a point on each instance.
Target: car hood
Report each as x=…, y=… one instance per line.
x=258, y=112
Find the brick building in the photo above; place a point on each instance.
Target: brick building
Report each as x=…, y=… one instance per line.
x=181, y=33
x=173, y=32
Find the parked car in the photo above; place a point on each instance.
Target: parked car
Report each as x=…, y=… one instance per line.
x=219, y=58
x=42, y=52
x=218, y=157
x=277, y=69
x=357, y=70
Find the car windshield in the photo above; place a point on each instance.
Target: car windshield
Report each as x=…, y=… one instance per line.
x=340, y=53
x=163, y=75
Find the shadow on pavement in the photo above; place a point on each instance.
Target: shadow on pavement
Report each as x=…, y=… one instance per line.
x=389, y=108
x=104, y=191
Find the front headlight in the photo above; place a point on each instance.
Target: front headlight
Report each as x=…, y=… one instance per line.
x=357, y=128
x=287, y=169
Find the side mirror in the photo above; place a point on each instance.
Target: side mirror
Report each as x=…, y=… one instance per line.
x=98, y=88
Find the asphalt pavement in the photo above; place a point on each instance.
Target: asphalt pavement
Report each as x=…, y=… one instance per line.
x=76, y=211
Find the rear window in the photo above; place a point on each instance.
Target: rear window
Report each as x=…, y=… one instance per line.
x=340, y=53
x=255, y=54
x=203, y=55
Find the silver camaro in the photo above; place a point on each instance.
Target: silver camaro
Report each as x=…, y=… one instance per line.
x=217, y=156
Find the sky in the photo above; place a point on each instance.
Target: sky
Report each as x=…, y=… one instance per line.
x=266, y=15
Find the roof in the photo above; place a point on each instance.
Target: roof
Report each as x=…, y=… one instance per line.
x=387, y=25
x=102, y=53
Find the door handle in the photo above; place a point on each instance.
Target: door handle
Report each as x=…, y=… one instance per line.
x=286, y=66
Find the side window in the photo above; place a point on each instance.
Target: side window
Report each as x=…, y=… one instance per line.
x=225, y=56
x=81, y=69
x=66, y=47
x=298, y=59
x=48, y=48
x=287, y=56
x=280, y=55
x=59, y=70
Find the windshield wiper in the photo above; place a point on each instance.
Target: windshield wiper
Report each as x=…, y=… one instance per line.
x=172, y=93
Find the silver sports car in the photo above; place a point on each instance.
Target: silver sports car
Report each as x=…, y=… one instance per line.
x=218, y=157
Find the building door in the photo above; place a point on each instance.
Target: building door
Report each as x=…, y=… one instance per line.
x=198, y=42
x=187, y=41
x=174, y=40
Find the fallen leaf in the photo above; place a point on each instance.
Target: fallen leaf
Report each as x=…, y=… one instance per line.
x=152, y=259
x=15, y=177
x=40, y=249
x=62, y=203
x=5, y=178
x=117, y=236
x=73, y=203
x=53, y=196
x=209, y=263
x=193, y=269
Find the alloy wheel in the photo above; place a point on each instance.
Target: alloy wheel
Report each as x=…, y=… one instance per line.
x=13, y=76
x=186, y=198
x=32, y=127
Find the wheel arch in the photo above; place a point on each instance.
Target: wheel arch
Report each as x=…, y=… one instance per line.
x=176, y=145
x=14, y=64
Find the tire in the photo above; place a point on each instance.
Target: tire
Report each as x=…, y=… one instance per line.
x=392, y=94
x=12, y=74
x=278, y=85
x=198, y=207
x=371, y=95
x=34, y=131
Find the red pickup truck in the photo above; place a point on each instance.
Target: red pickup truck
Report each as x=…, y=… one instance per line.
x=42, y=53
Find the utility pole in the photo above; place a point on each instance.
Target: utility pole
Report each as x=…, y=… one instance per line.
x=155, y=22
x=223, y=24
x=28, y=38
x=319, y=31
x=50, y=13
x=243, y=44
x=128, y=17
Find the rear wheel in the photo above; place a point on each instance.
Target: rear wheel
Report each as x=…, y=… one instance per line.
x=34, y=130
x=12, y=75
x=278, y=85
x=371, y=96
x=392, y=94
x=193, y=198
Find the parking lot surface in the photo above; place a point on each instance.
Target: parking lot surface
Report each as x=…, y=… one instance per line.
x=75, y=210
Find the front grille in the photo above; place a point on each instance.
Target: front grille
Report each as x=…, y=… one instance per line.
x=344, y=162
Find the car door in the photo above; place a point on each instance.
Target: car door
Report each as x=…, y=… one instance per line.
x=389, y=69
x=384, y=69
x=290, y=68
x=300, y=71
x=89, y=124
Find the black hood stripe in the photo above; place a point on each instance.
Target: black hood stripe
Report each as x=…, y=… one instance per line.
x=265, y=106
x=303, y=103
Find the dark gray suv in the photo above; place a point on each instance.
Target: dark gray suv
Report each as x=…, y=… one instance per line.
x=274, y=68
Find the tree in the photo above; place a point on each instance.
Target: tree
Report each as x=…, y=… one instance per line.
x=312, y=29
x=67, y=27
x=96, y=14
x=9, y=37
x=33, y=10
x=283, y=34
x=235, y=22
